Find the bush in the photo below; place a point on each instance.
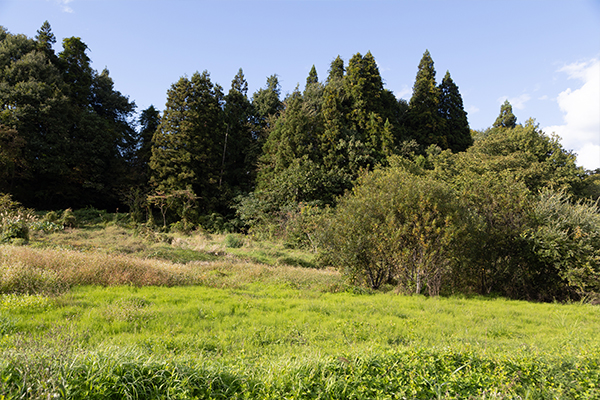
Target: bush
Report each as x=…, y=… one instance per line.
x=14, y=228
x=396, y=227
x=233, y=241
x=68, y=218
x=14, y=220
x=51, y=216
x=565, y=239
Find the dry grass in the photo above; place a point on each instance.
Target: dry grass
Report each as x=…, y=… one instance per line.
x=29, y=270
x=53, y=271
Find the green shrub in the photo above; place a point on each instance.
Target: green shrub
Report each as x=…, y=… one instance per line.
x=233, y=241
x=68, y=218
x=51, y=216
x=14, y=220
x=396, y=227
x=565, y=241
x=14, y=228
x=46, y=226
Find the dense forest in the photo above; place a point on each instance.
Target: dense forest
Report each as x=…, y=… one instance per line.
x=392, y=192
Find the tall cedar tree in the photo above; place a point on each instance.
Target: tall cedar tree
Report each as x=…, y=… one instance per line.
x=267, y=106
x=372, y=139
x=456, y=134
x=356, y=135
x=294, y=135
x=148, y=124
x=506, y=119
x=238, y=162
x=292, y=169
x=187, y=147
x=424, y=121
x=312, y=77
x=290, y=139
x=334, y=109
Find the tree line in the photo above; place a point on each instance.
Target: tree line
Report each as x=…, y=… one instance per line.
x=391, y=191
x=70, y=139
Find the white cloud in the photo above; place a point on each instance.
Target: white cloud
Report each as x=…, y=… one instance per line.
x=589, y=156
x=581, y=107
x=472, y=110
x=404, y=93
x=64, y=5
x=381, y=68
x=517, y=102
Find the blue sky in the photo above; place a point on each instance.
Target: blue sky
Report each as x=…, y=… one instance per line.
x=541, y=55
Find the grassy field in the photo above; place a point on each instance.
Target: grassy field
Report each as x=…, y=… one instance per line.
x=108, y=313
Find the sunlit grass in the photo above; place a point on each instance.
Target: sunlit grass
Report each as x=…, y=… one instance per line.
x=285, y=340
x=103, y=313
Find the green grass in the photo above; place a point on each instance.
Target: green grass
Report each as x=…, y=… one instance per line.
x=273, y=340
x=143, y=319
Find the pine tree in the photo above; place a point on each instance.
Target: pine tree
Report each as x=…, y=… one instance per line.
x=46, y=38
x=424, y=121
x=456, y=134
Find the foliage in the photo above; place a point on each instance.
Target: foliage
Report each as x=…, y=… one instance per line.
x=424, y=119
x=233, y=241
x=188, y=142
x=240, y=151
x=566, y=240
x=15, y=221
x=396, y=227
x=537, y=159
x=506, y=119
x=456, y=134
x=66, y=130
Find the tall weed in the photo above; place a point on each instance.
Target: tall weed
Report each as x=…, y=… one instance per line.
x=28, y=270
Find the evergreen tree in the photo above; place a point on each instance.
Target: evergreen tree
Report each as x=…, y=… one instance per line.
x=291, y=138
x=336, y=69
x=46, y=38
x=364, y=85
x=266, y=101
x=73, y=130
x=506, y=119
x=455, y=129
x=35, y=109
x=266, y=106
x=171, y=160
x=148, y=122
x=238, y=162
x=312, y=77
x=424, y=121
x=77, y=70
x=189, y=142
x=334, y=110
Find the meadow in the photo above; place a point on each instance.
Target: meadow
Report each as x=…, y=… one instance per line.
x=106, y=311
